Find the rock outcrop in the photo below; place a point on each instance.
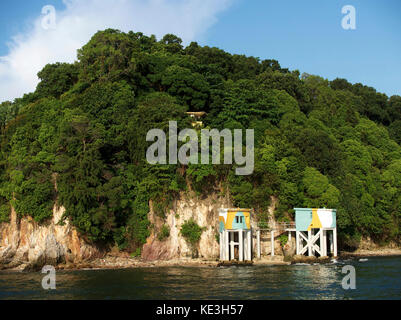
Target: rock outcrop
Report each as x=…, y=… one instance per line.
x=205, y=214
x=26, y=245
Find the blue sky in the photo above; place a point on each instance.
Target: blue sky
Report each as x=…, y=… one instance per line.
x=304, y=35
x=307, y=35
x=15, y=14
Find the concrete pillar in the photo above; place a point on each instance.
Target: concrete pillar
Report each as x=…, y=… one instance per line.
x=221, y=245
x=312, y=235
x=309, y=243
x=226, y=245
x=241, y=244
x=232, y=237
x=245, y=245
x=322, y=245
x=272, y=243
x=249, y=245
x=335, y=241
x=258, y=244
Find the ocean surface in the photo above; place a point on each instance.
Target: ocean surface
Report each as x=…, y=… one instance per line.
x=376, y=278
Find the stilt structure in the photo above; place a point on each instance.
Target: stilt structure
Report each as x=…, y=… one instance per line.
x=312, y=228
x=235, y=233
x=275, y=230
x=258, y=249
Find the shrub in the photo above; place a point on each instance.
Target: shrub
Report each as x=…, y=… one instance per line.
x=191, y=231
x=136, y=253
x=283, y=239
x=164, y=233
x=5, y=213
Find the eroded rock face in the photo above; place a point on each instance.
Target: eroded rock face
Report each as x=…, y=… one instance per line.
x=28, y=245
x=205, y=214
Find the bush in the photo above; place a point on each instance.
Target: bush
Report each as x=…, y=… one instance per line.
x=217, y=237
x=136, y=253
x=164, y=233
x=191, y=231
x=283, y=239
x=5, y=210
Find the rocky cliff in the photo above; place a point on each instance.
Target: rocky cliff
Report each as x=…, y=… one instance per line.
x=26, y=245
x=205, y=214
x=204, y=211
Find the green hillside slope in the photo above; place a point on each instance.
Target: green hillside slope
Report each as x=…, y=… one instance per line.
x=318, y=143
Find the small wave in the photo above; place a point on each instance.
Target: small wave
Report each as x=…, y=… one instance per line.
x=363, y=260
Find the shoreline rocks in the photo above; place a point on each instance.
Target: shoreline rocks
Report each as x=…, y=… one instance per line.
x=310, y=260
x=118, y=262
x=383, y=252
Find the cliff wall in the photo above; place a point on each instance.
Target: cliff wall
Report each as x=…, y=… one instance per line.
x=204, y=211
x=26, y=245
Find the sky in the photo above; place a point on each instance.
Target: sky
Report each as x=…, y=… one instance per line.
x=302, y=35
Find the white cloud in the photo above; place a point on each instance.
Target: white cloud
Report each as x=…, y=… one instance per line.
x=31, y=51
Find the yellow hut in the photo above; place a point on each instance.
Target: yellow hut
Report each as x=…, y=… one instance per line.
x=235, y=234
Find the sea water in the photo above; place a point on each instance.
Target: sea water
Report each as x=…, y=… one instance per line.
x=376, y=278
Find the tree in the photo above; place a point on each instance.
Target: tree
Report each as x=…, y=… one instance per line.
x=56, y=79
x=318, y=191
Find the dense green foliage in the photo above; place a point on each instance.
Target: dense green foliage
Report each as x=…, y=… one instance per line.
x=283, y=239
x=164, y=233
x=191, y=231
x=80, y=139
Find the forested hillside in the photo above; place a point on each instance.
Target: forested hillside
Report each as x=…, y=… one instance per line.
x=80, y=139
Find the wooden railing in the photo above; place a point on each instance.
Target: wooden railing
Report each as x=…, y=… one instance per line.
x=280, y=226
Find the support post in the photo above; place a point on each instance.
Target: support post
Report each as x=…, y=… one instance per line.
x=325, y=243
x=297, y=241
x=232, y=237
x=226, y=245
x=272, y=243
x=309, y=243
x=289, y=236
x=221, y=245
x=321, y=243
x=335, y=241
x=245, y=239
x=258, y=243
x=241, y=244
x=249, y=245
